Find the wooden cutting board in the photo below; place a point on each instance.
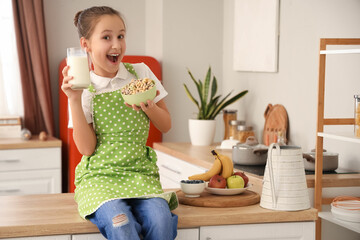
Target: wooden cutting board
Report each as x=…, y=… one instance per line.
x=207, y=199
x=276, y=119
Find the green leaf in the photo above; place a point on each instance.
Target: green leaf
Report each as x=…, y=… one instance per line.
x=191, y=97
x=209, y=106
x=230, y=101
x=212, y=107
x=201, y=96
x=213, y=87
x=206, y=85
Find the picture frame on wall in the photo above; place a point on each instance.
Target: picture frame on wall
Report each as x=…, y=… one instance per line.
x=256, y=35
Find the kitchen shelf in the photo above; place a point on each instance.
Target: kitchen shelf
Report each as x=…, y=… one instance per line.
x=354, y=226
x=320, y=134
x=348, y=137
x=340, y=51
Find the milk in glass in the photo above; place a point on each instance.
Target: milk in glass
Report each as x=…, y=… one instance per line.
x=79, y=68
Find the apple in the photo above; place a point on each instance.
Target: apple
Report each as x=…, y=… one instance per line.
x=217, y=181
x=242, y=174
x=235, y=181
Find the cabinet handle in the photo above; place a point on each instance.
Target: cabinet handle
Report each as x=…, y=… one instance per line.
x=10, y=160
x=10, y=190
x=173, y=170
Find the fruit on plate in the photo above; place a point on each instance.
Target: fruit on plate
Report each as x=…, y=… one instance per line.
x=217, y=181
x=222, y=165
x=215, y=169
x=227, y=164
x=235, y=181
x=242, y=174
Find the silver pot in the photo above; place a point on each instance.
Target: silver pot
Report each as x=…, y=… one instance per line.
x=330, y=161
x=249, y=153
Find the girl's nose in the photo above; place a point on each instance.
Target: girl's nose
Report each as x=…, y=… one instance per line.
x=116, y=45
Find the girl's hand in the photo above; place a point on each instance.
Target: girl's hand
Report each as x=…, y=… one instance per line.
x=66, y=86
x=144, y=106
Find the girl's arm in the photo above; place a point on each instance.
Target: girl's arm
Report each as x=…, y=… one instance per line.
x=83, y=133
x=158, y=114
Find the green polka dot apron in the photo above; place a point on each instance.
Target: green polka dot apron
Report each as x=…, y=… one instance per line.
x=122, y=166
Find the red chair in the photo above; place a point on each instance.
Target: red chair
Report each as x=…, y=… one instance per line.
x=70, y=155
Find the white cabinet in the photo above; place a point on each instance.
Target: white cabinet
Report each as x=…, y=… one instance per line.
x=188, y=234
x=183, y=234
x=56, y=237
x=92, y=236
x=26, y=168
x=30, y=182
x=172, y=170
x=268, y=231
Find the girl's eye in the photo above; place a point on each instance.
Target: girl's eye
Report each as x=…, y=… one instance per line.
x=106, y=37
x=121, y=36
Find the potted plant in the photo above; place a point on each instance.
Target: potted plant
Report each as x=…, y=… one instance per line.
x=209, y=104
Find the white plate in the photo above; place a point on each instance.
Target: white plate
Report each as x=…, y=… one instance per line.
x=227, y=191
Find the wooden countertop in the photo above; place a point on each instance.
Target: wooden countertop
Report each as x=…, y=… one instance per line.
x=53, y=214
x=34, y=142
x=200, y=155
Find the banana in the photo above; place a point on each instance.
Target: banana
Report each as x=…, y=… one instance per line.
x=227, y=164
x=215, y=169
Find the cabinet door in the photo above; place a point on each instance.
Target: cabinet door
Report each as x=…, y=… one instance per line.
x=183, y=234
x=92, y=236
x=55, y=237
x=268, y=231
x=188, y=234
x=30, y=159
x=172, y=170
x=30, y=182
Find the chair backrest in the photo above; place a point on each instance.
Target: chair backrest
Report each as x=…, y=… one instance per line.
x=70, y=155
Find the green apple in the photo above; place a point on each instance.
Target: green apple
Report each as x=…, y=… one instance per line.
x=235, y=181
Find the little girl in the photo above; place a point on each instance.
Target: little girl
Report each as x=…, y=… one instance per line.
x=117, y=181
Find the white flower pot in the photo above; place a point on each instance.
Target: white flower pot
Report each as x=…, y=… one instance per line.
x=202, y=132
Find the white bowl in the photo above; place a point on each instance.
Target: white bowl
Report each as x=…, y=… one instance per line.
x=192, y=189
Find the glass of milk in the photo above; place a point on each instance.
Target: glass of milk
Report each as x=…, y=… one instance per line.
x=77, y=59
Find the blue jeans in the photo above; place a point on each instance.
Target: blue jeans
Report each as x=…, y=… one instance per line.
x=130, y=219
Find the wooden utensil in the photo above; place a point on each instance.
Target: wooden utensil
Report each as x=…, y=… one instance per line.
x=276, y=120
x=207, y=199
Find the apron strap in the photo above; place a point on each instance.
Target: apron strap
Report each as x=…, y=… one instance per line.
x=131, y=69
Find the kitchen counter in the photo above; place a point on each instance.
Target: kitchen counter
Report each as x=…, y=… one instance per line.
x=56, y=214
x=200, y=156
x=34, y=142
x=53, y=214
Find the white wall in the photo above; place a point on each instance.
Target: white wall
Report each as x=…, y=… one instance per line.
x=192, y=38
x=199, y=33
x=302, y=24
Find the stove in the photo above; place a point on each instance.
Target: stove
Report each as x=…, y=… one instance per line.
x=260, y=169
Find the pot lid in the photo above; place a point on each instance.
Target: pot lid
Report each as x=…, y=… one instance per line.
x=251, y=143
x=228, y=143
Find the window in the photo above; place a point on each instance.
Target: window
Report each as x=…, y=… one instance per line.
x=11, y=100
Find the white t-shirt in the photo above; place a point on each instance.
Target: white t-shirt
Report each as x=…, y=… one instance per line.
x=123, y=77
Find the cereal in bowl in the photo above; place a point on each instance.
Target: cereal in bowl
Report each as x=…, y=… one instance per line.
x=137, y=86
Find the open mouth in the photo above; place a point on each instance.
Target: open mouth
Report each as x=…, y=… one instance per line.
x=113, y=57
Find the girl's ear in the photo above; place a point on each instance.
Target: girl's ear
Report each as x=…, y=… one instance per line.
x=85, y=44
